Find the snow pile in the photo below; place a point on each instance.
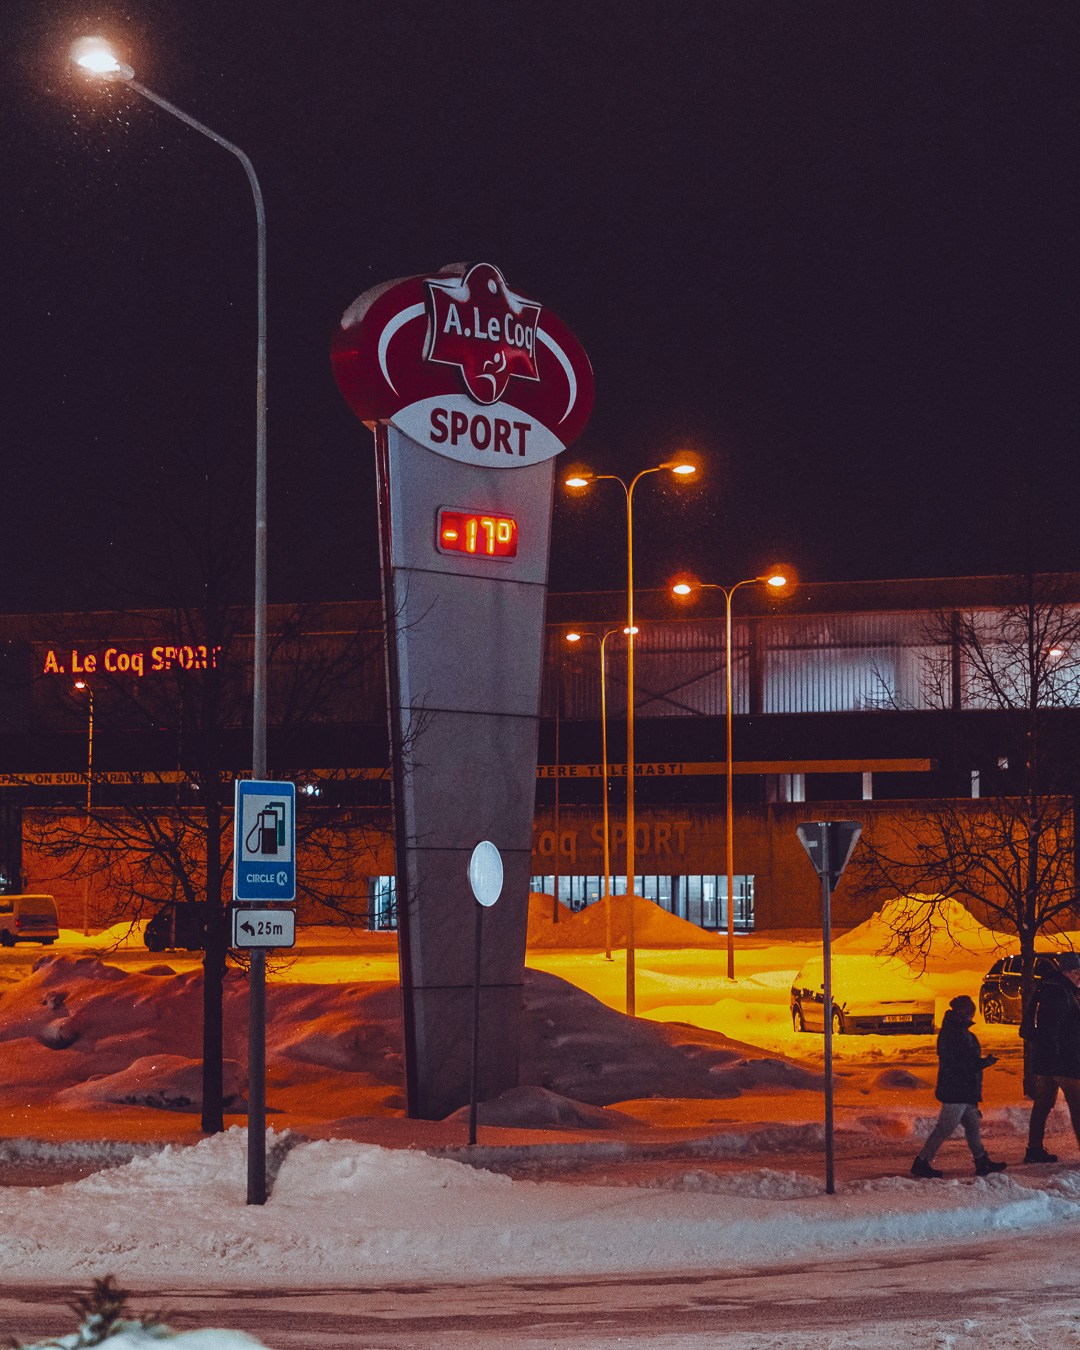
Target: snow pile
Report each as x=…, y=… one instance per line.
x=535, y=1108
x=763, y=1183
x=91, y=1152
x=953, y=930
x=167, y=1082
x=578, y=1047
x=88, y=1035
x=120, y=936
x=136, y=1336
x=339, y=1208
x=654, y=926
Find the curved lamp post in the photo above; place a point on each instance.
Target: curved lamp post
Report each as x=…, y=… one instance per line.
x=577, y=637
x=682, y=468
x=779, y=579
x=96, y=59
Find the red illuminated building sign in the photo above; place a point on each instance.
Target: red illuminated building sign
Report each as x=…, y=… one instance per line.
x=465, y=366
x=486, y=536
x=113, y=661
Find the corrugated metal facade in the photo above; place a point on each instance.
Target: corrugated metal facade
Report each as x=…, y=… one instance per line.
x=782, y=664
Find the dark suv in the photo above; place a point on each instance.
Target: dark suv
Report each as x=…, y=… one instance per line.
x=999, y=993
x=176, y=926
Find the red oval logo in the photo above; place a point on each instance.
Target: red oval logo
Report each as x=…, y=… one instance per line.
x=462, y=331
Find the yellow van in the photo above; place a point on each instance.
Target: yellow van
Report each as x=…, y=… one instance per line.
x=28, y=918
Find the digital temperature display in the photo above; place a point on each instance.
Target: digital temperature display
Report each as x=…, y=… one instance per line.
x=472, y=532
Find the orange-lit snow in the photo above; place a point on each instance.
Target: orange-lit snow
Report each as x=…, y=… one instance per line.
x=333, y=1032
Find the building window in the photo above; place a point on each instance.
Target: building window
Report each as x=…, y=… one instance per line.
x=382, y=903
x=701, y=900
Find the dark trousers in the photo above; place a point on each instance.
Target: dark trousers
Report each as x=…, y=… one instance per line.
x=1046, y=1093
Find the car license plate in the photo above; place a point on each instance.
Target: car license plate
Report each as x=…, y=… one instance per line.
x=897, y=1017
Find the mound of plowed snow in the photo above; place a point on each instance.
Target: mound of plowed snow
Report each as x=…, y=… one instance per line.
x=653, y=925
x=939, y=926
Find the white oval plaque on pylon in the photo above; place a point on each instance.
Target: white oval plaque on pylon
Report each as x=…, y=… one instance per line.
x=486, y=873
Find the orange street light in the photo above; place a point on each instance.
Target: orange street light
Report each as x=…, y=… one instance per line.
x=779, y=579
x=683, y=467
x=577, y=637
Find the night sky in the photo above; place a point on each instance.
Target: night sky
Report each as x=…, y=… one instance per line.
x=830, y=246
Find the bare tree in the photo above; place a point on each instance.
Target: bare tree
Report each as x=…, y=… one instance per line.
x=1014, y=669
x=167, y=833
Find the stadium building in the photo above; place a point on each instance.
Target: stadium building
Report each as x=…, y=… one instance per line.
x=850, y=700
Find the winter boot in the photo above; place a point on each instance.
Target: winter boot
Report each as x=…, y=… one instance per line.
x=1037, y=1155
x=921, y=1168
x=984, y=1165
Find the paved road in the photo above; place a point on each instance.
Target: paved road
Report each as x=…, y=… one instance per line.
x=1000, y=1293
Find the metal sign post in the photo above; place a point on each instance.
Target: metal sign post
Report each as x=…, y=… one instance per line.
x=829, y=845
x=264, y=868
x=486, y=880
x=472, y=390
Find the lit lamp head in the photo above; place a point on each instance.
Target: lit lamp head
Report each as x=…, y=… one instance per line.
x=684, y=586
x=80, y=684
x=96, y=60
x=780, y=578
x=579, y=478
x=635, y=630
x=682, y=468
x=573, y=637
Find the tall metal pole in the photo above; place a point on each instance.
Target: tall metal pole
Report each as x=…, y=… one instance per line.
x=89, y=787
x=631, y=991
x=826, y=953
x=631, y=999
x=729, y=800
x=258, y=752
x=555, y=862
x=256, y=1159
x=474, y=1068
x=607, y=851
x=729, y=592
x=257, y=982
x=402, y=898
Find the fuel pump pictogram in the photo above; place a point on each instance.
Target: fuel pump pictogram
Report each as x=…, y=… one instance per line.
x=268, y=832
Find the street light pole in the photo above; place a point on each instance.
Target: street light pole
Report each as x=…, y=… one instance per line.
x=96, y=58
x=81, y=684
x=776, y=579
x=576, y=637
x=583, y=480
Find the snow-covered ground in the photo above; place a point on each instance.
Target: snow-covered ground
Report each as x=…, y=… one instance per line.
x=342, y=1211
x=688, y=1139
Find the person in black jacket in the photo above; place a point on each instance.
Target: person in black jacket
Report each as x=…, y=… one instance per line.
x=959, y=1090
x=1054, y=1030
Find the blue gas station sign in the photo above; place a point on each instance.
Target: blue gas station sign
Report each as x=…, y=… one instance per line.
x=264, y=841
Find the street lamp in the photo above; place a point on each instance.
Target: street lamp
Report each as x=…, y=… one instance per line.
x=577, y=637
x=82, y=685
x=583, y=478
x=778, y=579
x=95, y=58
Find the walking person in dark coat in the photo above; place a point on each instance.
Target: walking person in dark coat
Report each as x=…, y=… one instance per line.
x=959, y=1090
x=1054, y=1030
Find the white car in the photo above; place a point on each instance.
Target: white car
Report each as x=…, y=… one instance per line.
x=869, y=993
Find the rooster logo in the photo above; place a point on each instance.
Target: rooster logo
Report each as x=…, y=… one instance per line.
x=475, y=322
